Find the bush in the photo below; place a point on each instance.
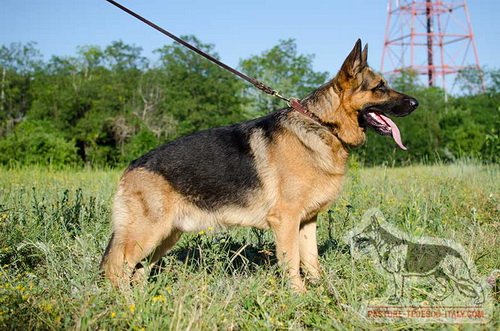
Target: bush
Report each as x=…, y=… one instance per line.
x=461, y=135
x=139, y=144
x=37, y=142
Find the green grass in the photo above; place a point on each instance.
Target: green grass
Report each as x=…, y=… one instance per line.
x=54, y=226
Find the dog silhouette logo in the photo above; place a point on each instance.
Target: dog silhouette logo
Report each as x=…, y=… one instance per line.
x=440, y=271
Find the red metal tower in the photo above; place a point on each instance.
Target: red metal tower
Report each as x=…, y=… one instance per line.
x=431, y=37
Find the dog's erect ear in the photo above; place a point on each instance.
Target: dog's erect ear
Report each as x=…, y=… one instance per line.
x=374, y=222
x=354, y=62
x=364, y=56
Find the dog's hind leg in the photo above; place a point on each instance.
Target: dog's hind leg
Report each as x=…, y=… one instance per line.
x=142, y=220
x=113, y=260
x=443, y=281
x=125, y=252
x=128, y=248
x=309, y=248
x=165, y=245
x=457, y=270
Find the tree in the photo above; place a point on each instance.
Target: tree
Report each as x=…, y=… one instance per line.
x=120, y=57
x=470, y=80
x=150, y=105
x=23, y=59
x=405, y=81
x=283, y=69
x=107, y=105
x=18, y=64
x=197, y=93
x=478, y=117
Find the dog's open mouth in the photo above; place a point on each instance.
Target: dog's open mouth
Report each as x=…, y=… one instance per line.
x=382, y=124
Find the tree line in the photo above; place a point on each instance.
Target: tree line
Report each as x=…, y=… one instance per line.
x=105, y=106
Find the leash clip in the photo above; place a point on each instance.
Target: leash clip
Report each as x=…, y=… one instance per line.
x=276, y=94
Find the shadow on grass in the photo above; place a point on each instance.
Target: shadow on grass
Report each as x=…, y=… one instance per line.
x=229, y=256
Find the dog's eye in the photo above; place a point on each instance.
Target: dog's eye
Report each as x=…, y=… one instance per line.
x=380, y=87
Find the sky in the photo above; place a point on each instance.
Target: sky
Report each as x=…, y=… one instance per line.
x=237, y=28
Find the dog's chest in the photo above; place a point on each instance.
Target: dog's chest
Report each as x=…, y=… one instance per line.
x=325, y=191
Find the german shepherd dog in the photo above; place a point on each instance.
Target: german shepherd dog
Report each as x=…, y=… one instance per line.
x=278, y=171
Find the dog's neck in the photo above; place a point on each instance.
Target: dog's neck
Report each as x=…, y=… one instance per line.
x=326, y=104
x=324, y=101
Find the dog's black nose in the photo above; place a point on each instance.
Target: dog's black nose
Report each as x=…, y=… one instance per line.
x=413, y=103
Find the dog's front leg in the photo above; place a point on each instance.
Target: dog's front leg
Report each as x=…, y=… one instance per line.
x=286, y=233
x=398, y=288
x=309, y=248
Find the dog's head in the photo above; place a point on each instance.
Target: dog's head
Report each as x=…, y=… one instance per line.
x=363, y=99
x=368, y=236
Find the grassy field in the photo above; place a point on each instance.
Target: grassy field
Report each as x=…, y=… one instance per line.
x=54, y=226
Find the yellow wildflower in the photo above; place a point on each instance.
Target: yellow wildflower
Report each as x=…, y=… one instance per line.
x=160, y=298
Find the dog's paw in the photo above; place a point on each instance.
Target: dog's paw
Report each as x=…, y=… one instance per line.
x=299, y=288
x=313, y=280
x=394, y=299
x=479, y=300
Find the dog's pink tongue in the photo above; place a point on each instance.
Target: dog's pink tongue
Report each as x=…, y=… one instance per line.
x=395, y=132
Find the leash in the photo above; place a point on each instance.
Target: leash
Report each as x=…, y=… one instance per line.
x=292, y=102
